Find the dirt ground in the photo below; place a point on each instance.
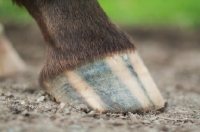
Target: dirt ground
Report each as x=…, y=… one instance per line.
x=173, y=59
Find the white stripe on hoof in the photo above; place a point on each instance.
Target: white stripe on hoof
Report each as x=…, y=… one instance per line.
x=87, y=92
x=119, y=68
x=146, y=80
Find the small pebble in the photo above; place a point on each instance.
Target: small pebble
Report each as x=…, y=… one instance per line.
x=153, y=118
x=42, y=93
x=61, y=106
x=133, y=117
x=31, y=106
x=115, y=115
x=146, y=122
x=67, y=111
x=16, y=101
x=23, y=102
x=91, y=113
x=41, y=99
x=48, y=108
x=122, y=117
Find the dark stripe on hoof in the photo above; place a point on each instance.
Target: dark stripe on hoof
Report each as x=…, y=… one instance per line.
x=126, y=60
x=110, y=89
x=66, y=91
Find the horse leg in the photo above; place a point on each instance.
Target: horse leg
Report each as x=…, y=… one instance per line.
x=90, y=60
x=10, y=62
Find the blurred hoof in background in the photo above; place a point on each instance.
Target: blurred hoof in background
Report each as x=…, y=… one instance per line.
x=10, y=62
x=117, y=83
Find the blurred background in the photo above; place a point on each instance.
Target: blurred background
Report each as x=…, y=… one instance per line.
x=176, y=13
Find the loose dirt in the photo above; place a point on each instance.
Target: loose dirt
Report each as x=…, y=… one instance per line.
x=171, y=55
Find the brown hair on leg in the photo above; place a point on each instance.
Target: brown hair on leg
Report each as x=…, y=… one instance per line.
x=76, y=32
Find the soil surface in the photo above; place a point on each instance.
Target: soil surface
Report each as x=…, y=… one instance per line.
x=171, y=55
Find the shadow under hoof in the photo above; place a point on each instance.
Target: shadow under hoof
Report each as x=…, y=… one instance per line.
x=119, y=83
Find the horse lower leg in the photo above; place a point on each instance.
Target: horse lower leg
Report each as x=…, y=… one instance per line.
x=10, y=62
x=90, y=60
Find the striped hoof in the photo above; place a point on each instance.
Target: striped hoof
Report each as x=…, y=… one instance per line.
x=10, y=62
x=119, y=83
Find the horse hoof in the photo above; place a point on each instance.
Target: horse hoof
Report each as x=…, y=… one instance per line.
x=10, y=62
x=118, y=83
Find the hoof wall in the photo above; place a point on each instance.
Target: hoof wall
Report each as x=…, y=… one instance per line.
x=119, y=83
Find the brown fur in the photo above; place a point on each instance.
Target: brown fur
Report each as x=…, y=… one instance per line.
x=76, y=32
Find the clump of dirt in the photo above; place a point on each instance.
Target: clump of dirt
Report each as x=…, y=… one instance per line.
x=172, y=57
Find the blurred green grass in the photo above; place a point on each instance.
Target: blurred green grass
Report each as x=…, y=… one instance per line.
x=10, y=13
x=181, y=13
